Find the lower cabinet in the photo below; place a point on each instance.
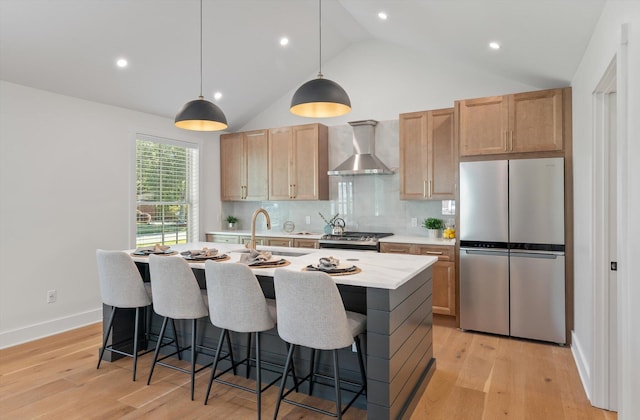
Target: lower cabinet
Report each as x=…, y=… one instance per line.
x=223, y=239
x=306, y=243
x=444, y=272
x=262, y=240
x=280, y=242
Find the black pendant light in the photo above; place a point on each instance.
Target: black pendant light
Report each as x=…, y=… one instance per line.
x=320, y=97
x=200, y=114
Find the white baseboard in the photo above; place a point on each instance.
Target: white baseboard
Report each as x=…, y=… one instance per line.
x=47, y=328
x=582, y=363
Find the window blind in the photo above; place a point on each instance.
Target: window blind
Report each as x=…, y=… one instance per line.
x=167, y=195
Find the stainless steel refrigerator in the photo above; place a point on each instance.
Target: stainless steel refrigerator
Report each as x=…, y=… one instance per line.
x=512, y=278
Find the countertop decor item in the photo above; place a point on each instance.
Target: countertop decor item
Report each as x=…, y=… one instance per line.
x=232, y=222
x=320, y=97
x=200, y=114
x=433, y=226
x=288, y=226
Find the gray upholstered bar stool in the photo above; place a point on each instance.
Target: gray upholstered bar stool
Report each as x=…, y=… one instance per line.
x=121, y=286
x=237, y=304
x=176, y=295
x=311, y=314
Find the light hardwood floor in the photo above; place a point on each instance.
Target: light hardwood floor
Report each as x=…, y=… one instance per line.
x=478, y=377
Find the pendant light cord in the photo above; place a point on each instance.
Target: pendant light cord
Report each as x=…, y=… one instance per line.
x=201, y=50
x=320, y=37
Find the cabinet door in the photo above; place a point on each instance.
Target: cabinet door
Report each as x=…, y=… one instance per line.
x=394, y=248
x=536, y=121
x=483, y=125
x=246, y=239
x=280, y=242
x=413, y=156
x=223, y=239
x=442, y=155
x=310, y=162
x=257, y=174
x=444, y=288
x=232, y=167
x=306, y=243
x=279, y=163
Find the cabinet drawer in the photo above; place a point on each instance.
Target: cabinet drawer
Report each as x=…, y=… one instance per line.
x=395, y=248
x=280, y=242
x=306, y=243
x=444, y=253
x=223, y=239
x=259, y=240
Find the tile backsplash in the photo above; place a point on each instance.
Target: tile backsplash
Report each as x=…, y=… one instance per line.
x=366, y=202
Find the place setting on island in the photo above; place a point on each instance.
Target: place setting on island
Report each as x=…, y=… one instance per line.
x=199, y=255
x=333, y=267
x=262, y=259
x=156, y=249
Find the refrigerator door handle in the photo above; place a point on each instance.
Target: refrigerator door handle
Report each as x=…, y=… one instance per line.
x=540, y=255
x=482, y=252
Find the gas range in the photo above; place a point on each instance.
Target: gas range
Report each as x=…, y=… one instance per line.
x=367, y=241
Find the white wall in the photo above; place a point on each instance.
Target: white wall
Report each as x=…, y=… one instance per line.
x=66, y=168
x=603, y=47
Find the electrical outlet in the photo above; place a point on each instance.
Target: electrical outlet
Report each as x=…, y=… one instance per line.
x=52, y=296
x=414, y=222
x=307, y=219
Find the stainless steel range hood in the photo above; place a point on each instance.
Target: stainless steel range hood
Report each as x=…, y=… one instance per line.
x=363, y=161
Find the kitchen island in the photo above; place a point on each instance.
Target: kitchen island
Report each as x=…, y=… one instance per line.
x=394, y=291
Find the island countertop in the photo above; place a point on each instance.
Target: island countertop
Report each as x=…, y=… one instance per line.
x=379, y=270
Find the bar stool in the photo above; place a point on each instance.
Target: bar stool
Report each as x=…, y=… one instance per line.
x=176, y=295
x=238, y=304
x=121, y=286
x=311, y=314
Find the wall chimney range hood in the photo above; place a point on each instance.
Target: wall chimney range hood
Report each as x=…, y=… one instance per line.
x=363, y=161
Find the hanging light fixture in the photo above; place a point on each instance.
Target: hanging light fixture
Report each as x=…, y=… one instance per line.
x=200, y=114
x=320, y=97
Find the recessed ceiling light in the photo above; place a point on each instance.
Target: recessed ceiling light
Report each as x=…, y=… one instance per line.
x=382, y=16
x=122, y=62
x=217, y=95
x=494, y=45
x=284, y=41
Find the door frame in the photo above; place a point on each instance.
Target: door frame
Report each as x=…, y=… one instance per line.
x=613, y=79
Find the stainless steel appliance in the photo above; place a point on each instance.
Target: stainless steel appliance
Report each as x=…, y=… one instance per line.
x=512, y=248
x=365, y=241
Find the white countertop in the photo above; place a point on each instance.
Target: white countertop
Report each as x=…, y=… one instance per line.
x=382, y=271
x=414, y=239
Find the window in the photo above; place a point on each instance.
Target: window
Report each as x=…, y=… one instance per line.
x=166, y=191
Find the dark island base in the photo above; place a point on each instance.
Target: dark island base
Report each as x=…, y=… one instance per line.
x=398, y=343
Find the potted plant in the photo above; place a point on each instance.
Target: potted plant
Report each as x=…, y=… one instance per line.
x=433, y=226
x=232, y=222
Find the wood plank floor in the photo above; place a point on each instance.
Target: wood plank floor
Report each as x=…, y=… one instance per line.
x=478, y=377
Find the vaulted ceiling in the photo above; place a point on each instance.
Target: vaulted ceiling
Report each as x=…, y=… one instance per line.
x=71, y=46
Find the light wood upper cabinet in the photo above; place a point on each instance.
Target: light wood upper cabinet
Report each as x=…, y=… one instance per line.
x=243, y=166
x=523, y=122
x=298, y=163
x=428, y=155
